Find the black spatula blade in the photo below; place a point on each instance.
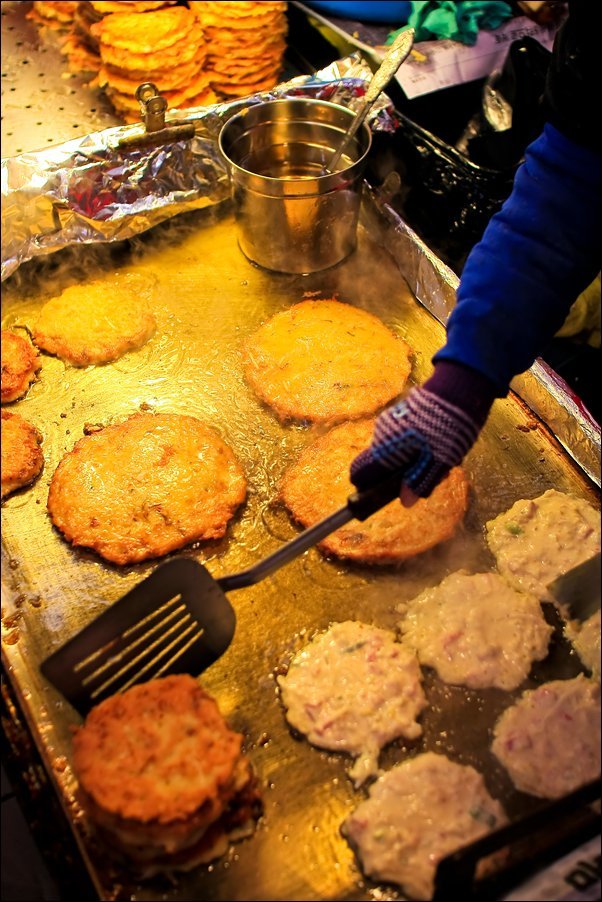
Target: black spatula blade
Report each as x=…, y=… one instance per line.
x=177, y=620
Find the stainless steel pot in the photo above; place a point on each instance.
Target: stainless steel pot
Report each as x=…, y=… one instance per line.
x=292, y=215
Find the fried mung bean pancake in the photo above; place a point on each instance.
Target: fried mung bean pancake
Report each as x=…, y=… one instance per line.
x=123, y=6
x=99, y=321
x=144, y=487
x=246, y=44
x=158, y=751
x=318, y=484
x=20, y=363
x=147, y=33
x=326, y=361
x=22, y=458
x=53, y=13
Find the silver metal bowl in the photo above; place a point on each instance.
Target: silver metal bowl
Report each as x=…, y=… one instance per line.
x=292, y=214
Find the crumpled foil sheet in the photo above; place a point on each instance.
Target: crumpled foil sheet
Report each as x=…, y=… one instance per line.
x=91, y=190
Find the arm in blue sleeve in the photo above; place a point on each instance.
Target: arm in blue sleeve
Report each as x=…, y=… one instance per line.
x=536, y=256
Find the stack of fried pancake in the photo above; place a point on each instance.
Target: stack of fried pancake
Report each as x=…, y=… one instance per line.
x=56, y=15
x=165, y=46
x=162, y=776
x=81, y=47
x=246, y=44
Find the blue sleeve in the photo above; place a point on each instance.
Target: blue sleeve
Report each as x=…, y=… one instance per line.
x=537, y=254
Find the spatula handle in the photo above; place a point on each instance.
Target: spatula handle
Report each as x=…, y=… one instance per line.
x=391, y=62
x=360, y=505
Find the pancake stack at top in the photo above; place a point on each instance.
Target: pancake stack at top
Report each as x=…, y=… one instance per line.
x=166, y=47
x=246, y=44
x=56, y=15
x=195, y=54
x=82, y=46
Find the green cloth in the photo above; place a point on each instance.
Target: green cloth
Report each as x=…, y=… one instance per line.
x=457, y=21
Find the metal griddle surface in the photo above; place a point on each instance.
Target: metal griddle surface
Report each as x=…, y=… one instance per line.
x=209, y=299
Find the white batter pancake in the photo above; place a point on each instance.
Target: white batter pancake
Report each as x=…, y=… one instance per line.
x=549, y=741
x=420, y=811
x=585, y=638
x=354, y=689
x=476, y=631
x=537, y=540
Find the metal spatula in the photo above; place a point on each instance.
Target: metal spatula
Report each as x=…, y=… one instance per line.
x=178, y=619
x=578, y=591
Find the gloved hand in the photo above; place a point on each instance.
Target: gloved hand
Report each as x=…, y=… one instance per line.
x=426, y=434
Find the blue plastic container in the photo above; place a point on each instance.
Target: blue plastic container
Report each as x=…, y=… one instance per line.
x=395, y=13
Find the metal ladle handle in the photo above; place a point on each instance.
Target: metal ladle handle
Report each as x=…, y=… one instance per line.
x=392, y=60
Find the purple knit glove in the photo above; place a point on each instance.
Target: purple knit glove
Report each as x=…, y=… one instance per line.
x=424, y=436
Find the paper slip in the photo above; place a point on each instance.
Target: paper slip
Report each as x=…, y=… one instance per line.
x=450, y=63
x=574, y=878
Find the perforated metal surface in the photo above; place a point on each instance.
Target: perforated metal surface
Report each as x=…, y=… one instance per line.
x=42, y=102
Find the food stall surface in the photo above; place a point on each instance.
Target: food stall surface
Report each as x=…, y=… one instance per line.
x=235, y=298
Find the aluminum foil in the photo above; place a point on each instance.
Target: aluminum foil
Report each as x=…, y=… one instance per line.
x=92, y=189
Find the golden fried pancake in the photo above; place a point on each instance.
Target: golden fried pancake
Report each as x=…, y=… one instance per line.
x=239, y=15
x=243, y=89
x=99, y=321
x=22, y=458
x=325, y=361
x=318, y=484
x=146, y=33
x=157, y=752
x=80, y=57
x=53, y=13
x=181, y=52
x=165, y=80
x=20, y=363
x=163, y=777
x=128, y=6
x=146, y=486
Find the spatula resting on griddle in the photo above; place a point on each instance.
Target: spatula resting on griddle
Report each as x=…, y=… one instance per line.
x=178, y=619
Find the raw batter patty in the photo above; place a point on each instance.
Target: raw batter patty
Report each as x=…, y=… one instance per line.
x=476, y=631
x=325, y=361
x=354, y=689
x=99, y=321
x=144, y=487
x=537, y=540
x=20, y=363
x=22, y=458
x=416, y=814
x=585, y=638
x=318, y=483
x=549, y=741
